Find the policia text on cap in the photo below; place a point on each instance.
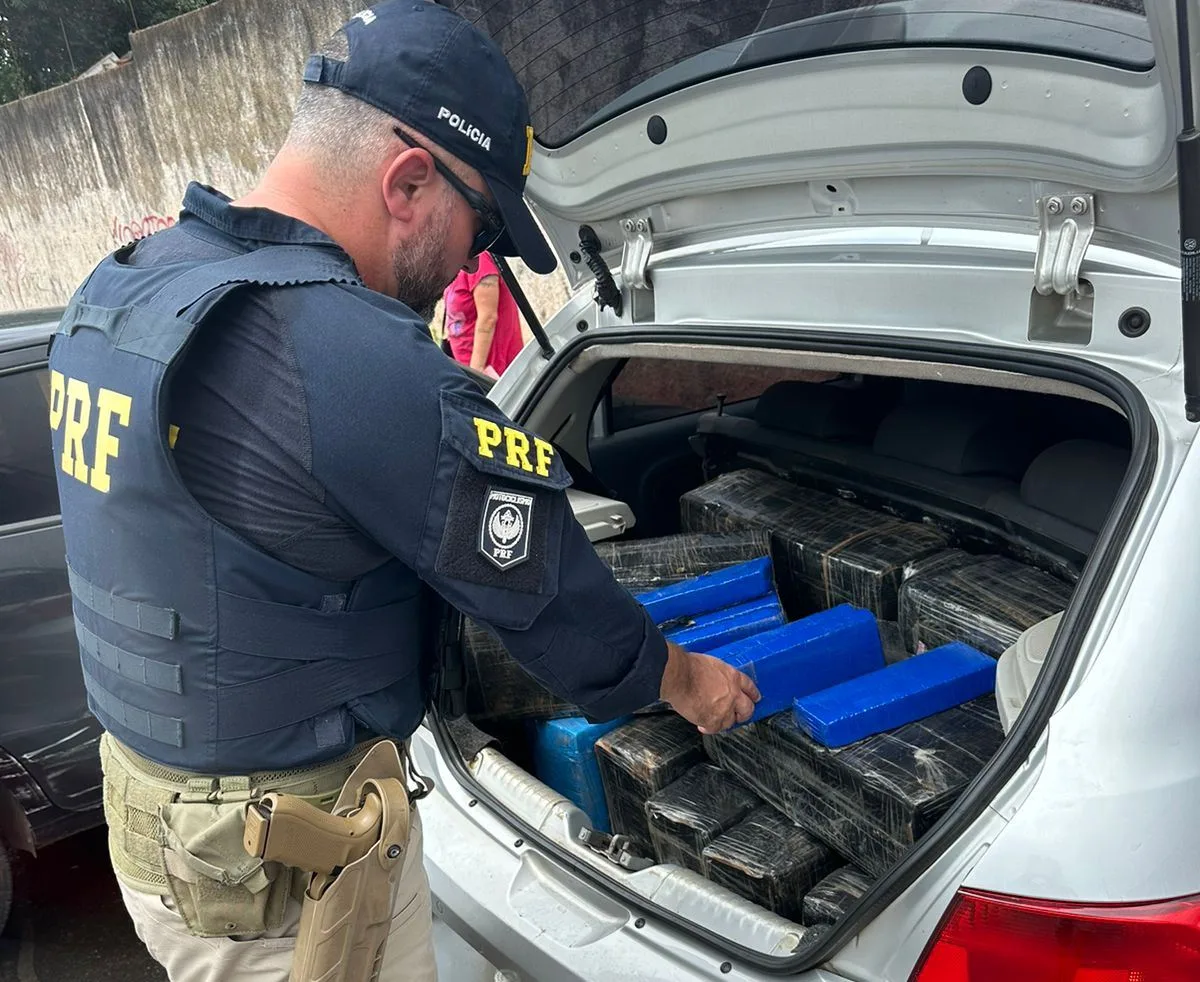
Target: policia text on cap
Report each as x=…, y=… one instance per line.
x=268, y=471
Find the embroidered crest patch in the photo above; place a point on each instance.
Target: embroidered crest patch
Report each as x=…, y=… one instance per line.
x=504, y=529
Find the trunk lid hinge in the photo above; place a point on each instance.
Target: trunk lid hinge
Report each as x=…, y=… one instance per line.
x=635, y=260
x=1067, y=223
x=1061, y=306
x=638, y=234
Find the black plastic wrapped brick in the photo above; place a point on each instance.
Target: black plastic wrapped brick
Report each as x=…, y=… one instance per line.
x=648, y=564
x=826, y=902
x=870, y=801
x=826, y=551
x=983, y=601
x=688, y=814
x=499, y=689
x=637, y=761
x=769, y=859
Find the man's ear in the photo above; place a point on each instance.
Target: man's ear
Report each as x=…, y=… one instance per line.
x=406, y=182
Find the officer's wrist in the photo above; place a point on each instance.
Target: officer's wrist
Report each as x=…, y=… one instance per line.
x=676, y=675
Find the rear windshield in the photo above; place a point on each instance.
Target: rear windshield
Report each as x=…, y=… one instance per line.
x=585, y=61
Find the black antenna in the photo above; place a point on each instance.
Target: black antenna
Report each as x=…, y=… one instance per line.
x=1188, y=168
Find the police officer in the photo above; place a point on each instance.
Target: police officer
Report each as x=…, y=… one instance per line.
x=266, y=466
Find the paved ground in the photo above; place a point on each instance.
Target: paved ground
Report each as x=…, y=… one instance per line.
x=68, y=923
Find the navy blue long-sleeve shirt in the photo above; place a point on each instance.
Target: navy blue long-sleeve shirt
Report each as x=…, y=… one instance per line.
x=325, y=426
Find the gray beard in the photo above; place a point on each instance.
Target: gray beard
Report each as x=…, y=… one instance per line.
x=420, y=268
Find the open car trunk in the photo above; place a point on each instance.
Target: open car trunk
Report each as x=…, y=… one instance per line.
x=954, y=503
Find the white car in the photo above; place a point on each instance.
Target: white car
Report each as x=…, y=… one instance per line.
x=972, y=205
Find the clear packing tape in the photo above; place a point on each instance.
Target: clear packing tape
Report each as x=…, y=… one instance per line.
x=826, y=902
x=827, y=551
x=983, y=601
x=873, y=800
x=637, y=761
x=770, y=860
x=689, y=813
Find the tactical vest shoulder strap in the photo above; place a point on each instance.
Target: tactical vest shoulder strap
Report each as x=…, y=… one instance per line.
x=159, y=326
x=194, y=293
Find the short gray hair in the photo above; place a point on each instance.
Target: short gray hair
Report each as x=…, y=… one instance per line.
x=346, y=135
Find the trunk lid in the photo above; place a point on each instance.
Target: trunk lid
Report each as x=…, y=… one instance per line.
x=662, y=124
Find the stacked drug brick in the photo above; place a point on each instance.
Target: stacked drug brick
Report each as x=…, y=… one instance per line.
x=873, y=642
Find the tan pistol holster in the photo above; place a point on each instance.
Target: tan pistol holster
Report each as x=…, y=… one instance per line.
x=354, y=852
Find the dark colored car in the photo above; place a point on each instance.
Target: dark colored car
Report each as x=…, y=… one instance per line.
x=49, y=764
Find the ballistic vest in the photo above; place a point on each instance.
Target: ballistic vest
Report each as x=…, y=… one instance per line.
x=200, y=650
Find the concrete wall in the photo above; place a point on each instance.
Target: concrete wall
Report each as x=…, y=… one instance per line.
x=95, y=163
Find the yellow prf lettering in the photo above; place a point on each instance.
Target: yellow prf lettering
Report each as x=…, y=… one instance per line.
x=71, y=410
x=545, y=456
x=516, y=445
x=489, y=434
x=58, y=391
x=109, y=404
x=78, y=413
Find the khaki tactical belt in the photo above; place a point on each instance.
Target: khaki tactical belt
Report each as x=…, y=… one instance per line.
x=178, y=834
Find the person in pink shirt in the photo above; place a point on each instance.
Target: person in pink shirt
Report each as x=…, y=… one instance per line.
x=482, y=324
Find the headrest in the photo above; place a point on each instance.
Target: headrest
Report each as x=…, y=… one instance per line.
x=956, y=439
x=823, y=411
x=1076, y=480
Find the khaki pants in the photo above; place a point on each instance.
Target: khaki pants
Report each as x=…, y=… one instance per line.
x=409, y=956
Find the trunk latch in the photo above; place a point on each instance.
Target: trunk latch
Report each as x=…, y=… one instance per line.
x=617, y=848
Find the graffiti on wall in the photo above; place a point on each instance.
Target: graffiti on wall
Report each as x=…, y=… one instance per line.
x=138, y=228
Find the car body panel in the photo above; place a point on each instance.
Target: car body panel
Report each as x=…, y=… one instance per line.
x=801, y=136
x=48, y=736
x=1110, y=817
x=44, y=718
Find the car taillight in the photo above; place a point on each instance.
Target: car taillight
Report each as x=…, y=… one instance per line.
x=990, y=938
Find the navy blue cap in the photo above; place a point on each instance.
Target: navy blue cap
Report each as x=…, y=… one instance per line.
x=427, y=67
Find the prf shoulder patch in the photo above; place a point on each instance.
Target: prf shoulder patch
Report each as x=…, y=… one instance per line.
x=495, y=445
x=505, y=527
x=497, y=513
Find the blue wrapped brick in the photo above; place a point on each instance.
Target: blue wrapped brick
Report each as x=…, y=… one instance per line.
x=908, y=691
x=564, y=758
x=725, y=626
x=710, y=592
x=806, y=656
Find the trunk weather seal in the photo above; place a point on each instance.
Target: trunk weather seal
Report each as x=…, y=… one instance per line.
x=1020, y=741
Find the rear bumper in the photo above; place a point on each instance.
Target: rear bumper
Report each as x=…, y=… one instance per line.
x=527, y=913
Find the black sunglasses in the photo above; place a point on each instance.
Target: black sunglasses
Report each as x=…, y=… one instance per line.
x=492, y=225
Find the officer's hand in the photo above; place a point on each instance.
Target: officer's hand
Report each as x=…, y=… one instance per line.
x=706, y=691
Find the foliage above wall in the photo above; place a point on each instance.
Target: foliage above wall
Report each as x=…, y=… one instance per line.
x=44, y=43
